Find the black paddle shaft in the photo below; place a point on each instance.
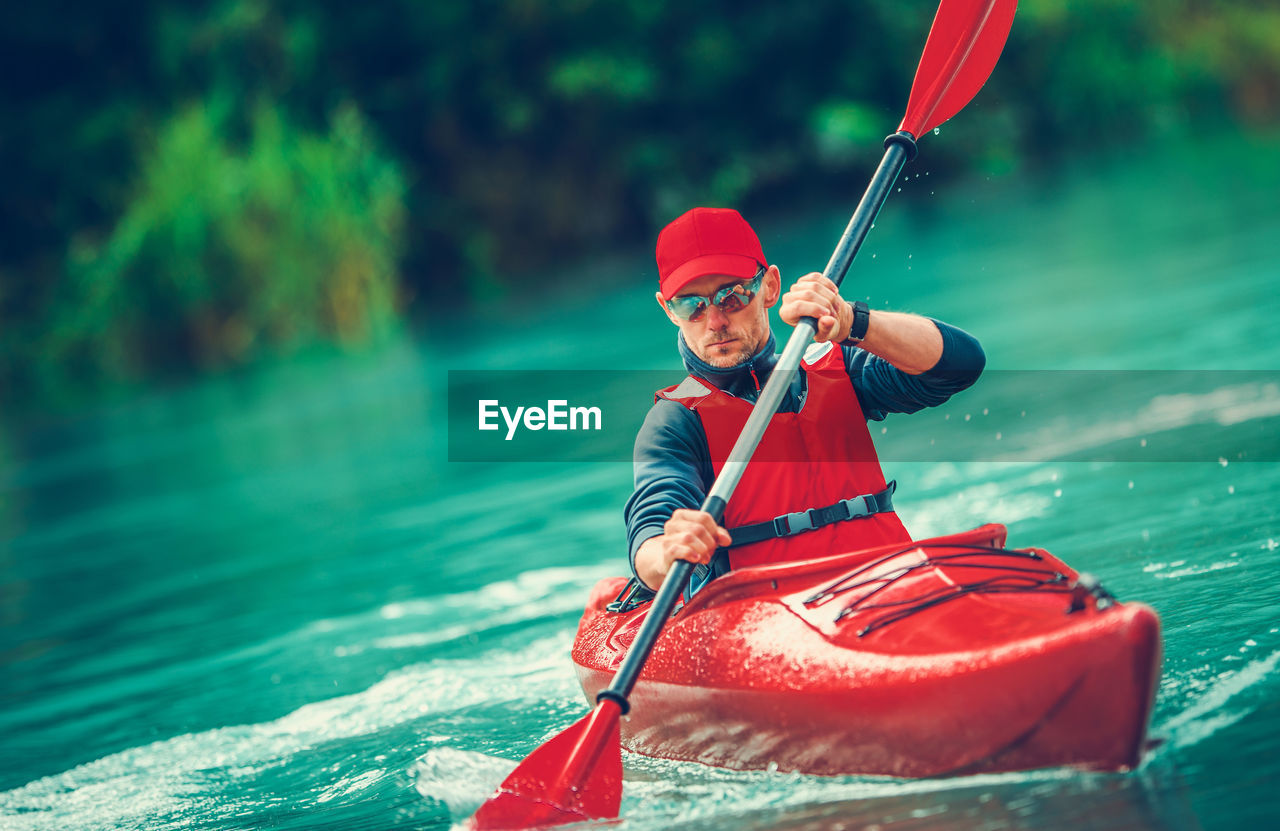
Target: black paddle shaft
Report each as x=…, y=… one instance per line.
x=900, y=148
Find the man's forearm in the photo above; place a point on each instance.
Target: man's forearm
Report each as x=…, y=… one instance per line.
x=910, y=342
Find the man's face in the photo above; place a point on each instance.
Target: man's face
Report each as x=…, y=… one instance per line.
x=727, y=339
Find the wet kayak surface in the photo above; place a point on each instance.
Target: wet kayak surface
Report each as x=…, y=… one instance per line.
x=269, y=599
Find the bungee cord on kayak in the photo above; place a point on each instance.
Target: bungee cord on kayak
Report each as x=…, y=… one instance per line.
x=1013, y=579
x=993, y=585
x=840, y=586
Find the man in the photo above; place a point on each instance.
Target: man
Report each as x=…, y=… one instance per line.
x=716, y=286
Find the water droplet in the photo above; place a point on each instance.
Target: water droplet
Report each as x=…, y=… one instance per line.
x=1130, y=484
x=997, y=435
x=1057, y=492
x=986, y=411
x=773, y=767
x=967, y=416
x=1231, y=489
x=1223, y=461
x=937, y=131
x=1142, y=443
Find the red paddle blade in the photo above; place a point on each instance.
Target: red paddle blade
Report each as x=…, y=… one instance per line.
x=575, y=776
x=963, y=46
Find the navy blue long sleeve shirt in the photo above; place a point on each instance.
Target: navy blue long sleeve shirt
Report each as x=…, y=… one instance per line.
x=673, y=464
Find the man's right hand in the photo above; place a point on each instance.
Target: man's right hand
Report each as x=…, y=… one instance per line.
x=688, y=535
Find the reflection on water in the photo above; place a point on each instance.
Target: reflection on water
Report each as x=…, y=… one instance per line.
x=1141, y=802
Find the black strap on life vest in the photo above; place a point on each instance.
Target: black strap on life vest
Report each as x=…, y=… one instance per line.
x=798, y=522
x=788, y=525
x=636, y=593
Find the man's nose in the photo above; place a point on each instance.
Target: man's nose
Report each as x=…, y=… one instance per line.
x=716, y=318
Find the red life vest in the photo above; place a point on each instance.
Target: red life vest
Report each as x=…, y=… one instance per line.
x=810, y=459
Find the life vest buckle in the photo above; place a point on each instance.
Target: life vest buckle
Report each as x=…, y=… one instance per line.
x=857, y=506
x=793, y=523
x=798, y=522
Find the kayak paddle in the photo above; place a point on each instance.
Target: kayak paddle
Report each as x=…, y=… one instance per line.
x=577, y=775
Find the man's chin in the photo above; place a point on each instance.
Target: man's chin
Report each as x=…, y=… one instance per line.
x=725, y=358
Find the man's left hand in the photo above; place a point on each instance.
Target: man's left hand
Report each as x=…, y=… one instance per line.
x=815, y=296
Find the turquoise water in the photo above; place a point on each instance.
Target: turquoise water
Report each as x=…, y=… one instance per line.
x=269, y=600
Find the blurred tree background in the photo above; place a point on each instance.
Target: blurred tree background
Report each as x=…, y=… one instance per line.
x=200, y=184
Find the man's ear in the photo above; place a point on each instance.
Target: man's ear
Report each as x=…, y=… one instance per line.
x=662, y=304
x=772, y=288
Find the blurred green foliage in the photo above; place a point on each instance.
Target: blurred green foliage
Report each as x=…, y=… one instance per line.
x=192, y=184
x=225, y=250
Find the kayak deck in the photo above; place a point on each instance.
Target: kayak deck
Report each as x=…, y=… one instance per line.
x=943, y=656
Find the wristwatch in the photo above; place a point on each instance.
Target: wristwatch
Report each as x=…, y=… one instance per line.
x=861, y=320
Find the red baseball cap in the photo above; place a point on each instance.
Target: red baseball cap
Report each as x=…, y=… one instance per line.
x=706, y=241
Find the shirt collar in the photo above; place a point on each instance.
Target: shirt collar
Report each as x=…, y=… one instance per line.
x=734, y=379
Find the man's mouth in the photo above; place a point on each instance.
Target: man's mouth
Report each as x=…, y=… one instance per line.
x=721, y=342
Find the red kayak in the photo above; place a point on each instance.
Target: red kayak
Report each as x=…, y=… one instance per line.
x=945, y=656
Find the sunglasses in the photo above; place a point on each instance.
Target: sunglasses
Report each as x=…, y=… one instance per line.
x=729, y=299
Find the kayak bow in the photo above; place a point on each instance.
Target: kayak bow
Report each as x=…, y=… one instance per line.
x=946, y=656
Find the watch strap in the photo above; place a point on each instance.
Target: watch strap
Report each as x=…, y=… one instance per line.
x=861, y=320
